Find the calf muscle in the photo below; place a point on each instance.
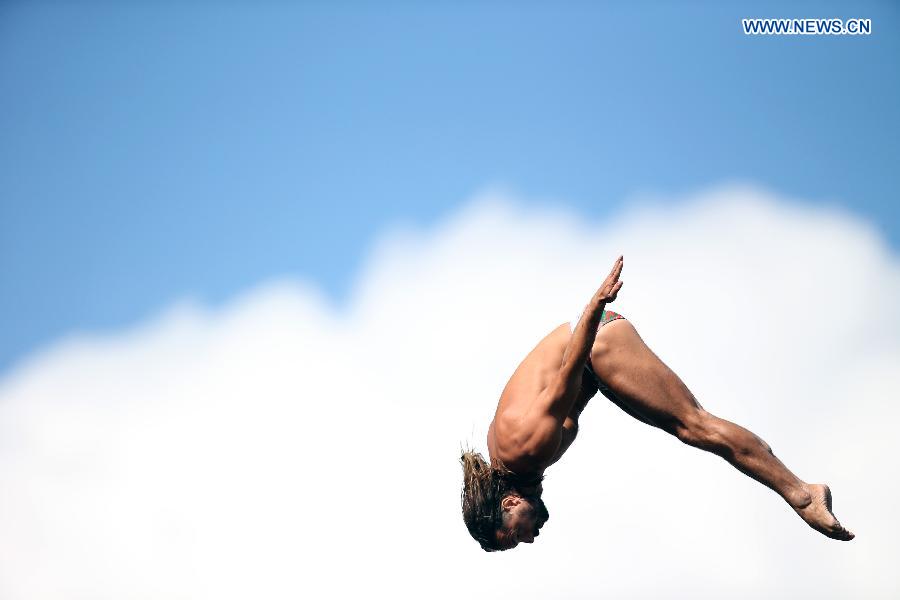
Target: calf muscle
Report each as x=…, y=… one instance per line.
x=646, y=388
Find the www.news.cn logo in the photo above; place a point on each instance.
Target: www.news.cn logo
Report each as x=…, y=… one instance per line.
x=807, y=26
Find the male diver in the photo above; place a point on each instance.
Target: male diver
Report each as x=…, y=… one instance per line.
x=537, y=420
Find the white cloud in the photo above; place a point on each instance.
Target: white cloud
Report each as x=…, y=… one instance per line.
x=281, y=449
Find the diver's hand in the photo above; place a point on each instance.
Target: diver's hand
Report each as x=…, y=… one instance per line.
x=610, y=288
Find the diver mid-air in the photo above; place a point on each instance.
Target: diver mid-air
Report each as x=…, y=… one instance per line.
x=537, y=420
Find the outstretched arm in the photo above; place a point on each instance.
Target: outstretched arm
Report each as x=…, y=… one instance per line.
x=561, y=393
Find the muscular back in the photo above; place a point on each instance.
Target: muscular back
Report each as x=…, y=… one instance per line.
x=527, y=433
x=524, y=436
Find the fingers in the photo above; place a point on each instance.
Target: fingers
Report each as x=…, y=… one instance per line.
x=615, y=291
x=617, y=269
x=612, y=285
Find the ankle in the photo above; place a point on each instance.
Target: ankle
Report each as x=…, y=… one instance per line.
x=799, y=497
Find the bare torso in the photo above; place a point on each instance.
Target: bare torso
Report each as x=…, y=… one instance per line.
x=537, y=415
x=521, y=436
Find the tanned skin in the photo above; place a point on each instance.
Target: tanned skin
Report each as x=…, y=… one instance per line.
x=537, y=416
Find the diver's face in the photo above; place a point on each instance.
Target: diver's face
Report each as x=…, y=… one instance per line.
x=523, y=518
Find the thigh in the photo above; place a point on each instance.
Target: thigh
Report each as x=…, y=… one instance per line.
x=639, y=382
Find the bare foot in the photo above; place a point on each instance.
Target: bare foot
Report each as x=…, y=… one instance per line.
x=818, y=515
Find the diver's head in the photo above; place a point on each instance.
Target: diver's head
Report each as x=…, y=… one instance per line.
x=522, y=519
x=497, y=515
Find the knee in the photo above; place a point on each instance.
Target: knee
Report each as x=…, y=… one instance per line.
x=701, y=429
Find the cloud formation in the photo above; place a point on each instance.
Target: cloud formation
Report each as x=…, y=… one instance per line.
x=282, y=448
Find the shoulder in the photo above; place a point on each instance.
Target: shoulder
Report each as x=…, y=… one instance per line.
x=524, y=445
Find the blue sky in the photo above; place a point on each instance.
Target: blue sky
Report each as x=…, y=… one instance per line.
x=149, y=153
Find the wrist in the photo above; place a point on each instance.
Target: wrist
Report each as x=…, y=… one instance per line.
x=599, y=301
